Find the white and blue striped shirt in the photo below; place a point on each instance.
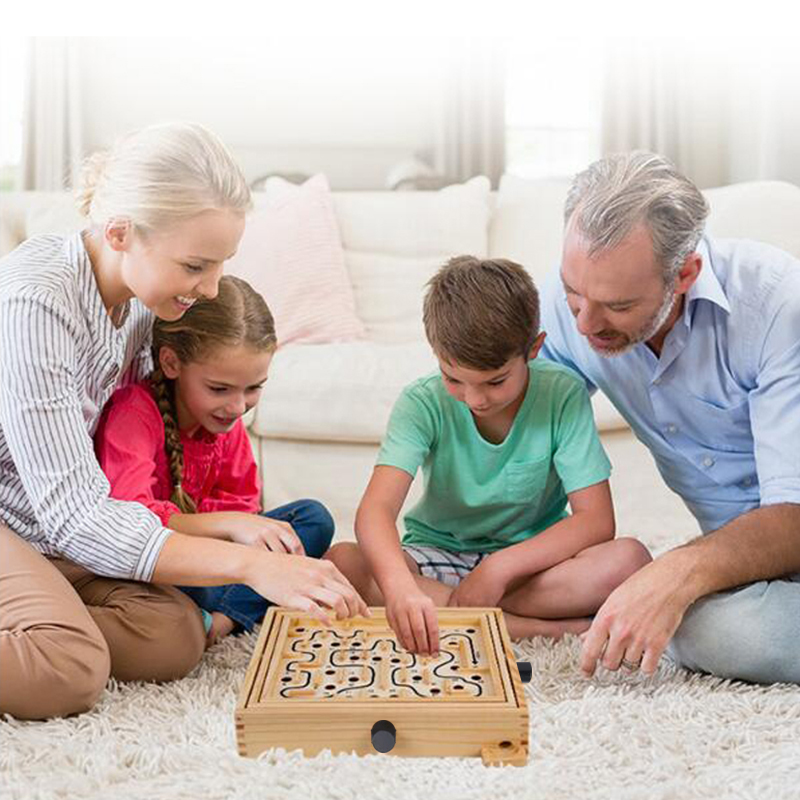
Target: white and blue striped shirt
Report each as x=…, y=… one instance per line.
x=61, y=357
x=719, y=409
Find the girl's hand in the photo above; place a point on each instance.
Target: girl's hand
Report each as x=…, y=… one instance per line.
x=310, y=585
x=272, y=534
x=412, y=616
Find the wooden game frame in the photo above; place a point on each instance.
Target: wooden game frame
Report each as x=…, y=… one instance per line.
x=494, y=727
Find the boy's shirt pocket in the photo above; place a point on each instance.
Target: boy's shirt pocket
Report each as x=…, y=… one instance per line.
x=525, y=481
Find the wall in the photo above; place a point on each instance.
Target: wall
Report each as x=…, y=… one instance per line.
x=348, y=106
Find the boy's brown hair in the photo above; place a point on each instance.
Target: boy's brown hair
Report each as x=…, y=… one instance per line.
x=479, y=313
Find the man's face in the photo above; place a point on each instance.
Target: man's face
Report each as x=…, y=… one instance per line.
x=617, y=296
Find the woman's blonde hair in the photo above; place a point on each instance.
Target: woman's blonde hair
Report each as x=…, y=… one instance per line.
x=237, y=316
x=161, y=175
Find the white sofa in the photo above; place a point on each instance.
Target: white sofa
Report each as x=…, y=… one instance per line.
x=319, y=423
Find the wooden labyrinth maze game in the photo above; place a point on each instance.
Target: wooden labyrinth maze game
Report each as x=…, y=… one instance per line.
x=353, y=688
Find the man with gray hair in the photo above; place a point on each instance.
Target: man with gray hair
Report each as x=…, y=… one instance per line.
x=697, y=343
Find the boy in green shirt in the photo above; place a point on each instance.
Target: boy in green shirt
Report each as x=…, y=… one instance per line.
x=505, y=442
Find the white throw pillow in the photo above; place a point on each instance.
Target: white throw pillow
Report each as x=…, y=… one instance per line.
x=528, y=224
x=395, y=241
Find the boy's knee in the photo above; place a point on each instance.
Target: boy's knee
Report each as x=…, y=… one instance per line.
x=344, y=554
x=633, y=555
x=628, y=556
x=318, y=516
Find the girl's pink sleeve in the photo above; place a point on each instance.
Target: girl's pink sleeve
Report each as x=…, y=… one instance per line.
x=238, y=487
x=128, y=438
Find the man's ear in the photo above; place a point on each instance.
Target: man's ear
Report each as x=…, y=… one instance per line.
x=169, y=362
x=536, y=346
x=688, y=273
x=118, y=233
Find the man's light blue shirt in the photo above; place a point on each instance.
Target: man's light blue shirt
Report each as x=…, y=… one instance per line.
x=720, y=408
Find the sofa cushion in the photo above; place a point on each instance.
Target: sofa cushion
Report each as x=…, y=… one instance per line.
x=527, y=223
x=292, y=254
x=344, y=392
x=337, y=392
x=395, y=241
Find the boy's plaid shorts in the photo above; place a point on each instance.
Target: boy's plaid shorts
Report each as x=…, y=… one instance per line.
x=445, y=566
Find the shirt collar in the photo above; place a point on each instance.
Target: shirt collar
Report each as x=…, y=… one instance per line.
x=707, y=285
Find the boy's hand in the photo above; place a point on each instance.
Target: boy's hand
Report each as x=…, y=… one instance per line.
x=483, y=587
x=412, y=616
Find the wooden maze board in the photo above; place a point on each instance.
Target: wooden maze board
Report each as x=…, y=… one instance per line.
x=312, y=688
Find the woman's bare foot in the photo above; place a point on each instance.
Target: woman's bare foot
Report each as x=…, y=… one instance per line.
x=220, y=626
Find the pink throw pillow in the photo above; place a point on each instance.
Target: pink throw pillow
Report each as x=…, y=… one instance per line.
x=291, y=253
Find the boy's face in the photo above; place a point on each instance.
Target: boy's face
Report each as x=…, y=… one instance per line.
x=487, y=393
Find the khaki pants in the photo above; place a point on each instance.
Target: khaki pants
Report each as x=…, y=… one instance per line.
x=64, y=630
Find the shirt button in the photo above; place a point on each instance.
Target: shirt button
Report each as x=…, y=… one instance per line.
x=672, y=429
x=708, y=461
x=657, y=382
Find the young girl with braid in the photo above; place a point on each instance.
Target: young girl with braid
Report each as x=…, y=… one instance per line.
x=176, y=443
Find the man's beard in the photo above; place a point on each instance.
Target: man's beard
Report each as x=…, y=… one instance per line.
x=647, y=331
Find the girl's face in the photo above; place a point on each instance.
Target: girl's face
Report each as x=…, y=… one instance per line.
x=168, y=270
x=218, y=390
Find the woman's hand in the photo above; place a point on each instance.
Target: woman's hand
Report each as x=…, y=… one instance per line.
x=272, y=534
x=310, y=585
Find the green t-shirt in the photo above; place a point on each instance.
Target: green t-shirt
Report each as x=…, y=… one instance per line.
x=480, y=496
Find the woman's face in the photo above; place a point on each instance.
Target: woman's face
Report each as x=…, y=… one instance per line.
x=168, y=270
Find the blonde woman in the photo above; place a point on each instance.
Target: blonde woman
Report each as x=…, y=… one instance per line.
x=87, y=582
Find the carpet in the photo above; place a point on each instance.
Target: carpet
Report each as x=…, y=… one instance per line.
x=676, y=735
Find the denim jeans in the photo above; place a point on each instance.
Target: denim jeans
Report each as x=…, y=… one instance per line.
x=314, y=526
x=750, y=633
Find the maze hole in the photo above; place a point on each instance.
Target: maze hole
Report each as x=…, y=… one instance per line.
x=435, y=690
x=334, y=644
x=353, y=678
x=300, y=630
x=458, y=686
x=286, y=679
x=477, y=678
x=506, y=744
x=470, y=630
x=330, y=671
x=331, y=686
x=354, y=658
x=417, y=678
x=376, y=658
x=395, y=661
x=455, y=667
x=317, y=645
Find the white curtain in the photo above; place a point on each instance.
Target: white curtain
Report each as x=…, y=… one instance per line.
x=721, y=114
x=51, y=145
x=471, y=124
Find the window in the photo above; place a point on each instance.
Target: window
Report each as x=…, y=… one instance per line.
x=13, y=51
x=553, y=106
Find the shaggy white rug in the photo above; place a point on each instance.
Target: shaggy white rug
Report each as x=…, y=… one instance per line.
x=675, y=735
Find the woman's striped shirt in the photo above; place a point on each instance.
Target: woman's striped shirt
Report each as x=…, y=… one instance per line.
x=61, y=357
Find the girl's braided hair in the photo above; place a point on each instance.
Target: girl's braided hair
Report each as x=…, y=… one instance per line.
x=237, y=316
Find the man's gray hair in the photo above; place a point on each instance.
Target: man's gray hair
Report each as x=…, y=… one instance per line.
x=613, y=195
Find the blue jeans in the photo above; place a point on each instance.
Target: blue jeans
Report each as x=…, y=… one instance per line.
x=750, y=633
x=312, y=523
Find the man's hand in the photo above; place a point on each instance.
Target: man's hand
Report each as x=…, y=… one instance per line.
x=638, y=618
x=484, y=586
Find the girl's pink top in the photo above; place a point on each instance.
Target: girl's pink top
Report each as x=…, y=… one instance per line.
x=219, y=471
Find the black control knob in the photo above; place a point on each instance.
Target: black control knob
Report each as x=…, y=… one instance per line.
x=525, y=671
x=384, y=735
